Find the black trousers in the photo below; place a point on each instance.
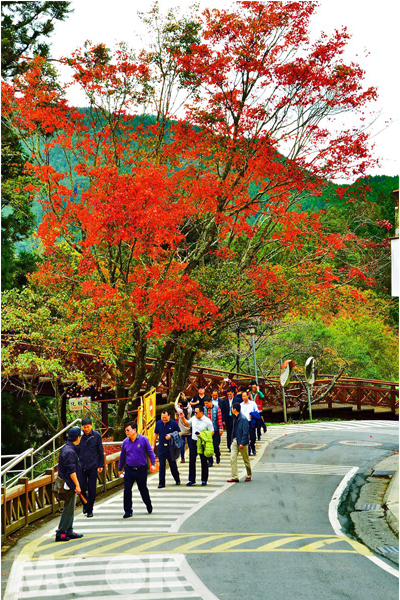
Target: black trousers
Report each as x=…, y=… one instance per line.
x=258, y=428
x=164, y=455
x=192, y=463
x=229, y=428
x=252, y=439
x=217, y=452
x=88, y=482
x=138, y=474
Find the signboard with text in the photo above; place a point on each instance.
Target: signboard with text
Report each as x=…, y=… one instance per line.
x=79, y=403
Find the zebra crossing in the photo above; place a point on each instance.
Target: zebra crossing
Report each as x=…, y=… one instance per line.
x=71, y=570
x=45, y=569
x=148, y=577
x=276, y=431
x=170, y=504
x=303, y=469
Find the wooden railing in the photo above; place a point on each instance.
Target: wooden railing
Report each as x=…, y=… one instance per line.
x=34, y=499
x=347, y=391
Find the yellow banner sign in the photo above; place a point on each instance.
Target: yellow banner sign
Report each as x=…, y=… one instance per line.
x=149, y=413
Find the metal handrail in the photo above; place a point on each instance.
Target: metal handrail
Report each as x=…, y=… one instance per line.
x=31, y=452
x=32, y=467
x=22, y=473
x=11, y=463
x=112, y=443
x=57, y=435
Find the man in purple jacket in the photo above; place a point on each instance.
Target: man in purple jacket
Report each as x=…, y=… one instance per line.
x=134, y=452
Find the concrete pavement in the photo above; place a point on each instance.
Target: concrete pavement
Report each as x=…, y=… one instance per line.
x=45, y=566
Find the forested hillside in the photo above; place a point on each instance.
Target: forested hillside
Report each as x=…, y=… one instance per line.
x=168, y=235
x=380, y=192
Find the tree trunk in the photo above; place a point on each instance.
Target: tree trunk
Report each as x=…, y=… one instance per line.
x=154, y=377
x=140, y=375
x=184, y=359
x=120, y=394
x=45, y=418
x=124, y=404
x=58, y=401
x=330, y=386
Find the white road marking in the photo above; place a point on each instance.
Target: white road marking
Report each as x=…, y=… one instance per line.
x=176, y=504
x=148, y=577
x=301, y=468
x=334, y=519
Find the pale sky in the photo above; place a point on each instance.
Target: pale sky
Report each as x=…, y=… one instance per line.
x=374, y=27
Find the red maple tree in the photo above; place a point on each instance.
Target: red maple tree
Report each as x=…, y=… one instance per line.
x=175, y=226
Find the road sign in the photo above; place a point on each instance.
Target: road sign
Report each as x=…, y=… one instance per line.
x=79, y=403
x=286, y=371
x=310, y=370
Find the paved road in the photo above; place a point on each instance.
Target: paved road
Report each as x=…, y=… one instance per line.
x=272, y=537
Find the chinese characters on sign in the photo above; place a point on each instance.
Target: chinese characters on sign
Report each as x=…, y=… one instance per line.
x=79, y=403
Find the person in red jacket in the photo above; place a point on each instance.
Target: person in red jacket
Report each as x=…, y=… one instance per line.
x=257, y=396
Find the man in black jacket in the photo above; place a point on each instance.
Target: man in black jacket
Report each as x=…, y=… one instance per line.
x=163, y=430
x=69, y=471
x=240, y=441
x=91, y=457
x=227, y=417
x=200, y=398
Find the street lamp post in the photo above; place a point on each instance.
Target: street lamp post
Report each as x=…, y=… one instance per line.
x=252, y=331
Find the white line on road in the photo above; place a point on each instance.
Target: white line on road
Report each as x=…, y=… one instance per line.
x=334, y=519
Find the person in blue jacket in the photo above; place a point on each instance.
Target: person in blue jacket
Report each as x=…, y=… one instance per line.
x=69, y=471
x=240, y=441
x=91, y=457
x=163, y=431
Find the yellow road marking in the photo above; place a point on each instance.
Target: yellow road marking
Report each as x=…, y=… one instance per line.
x=65, y=550
x=191, y=545
x=271, y=546
x=188, y=543
x=229, y=545
x=142, y=549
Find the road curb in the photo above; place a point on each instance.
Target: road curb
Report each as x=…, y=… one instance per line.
x=391, y=503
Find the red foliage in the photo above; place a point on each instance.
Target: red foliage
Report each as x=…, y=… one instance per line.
x=132, y=243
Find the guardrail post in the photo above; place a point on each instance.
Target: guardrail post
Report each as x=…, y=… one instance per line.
x=51, y=472
x=393, y=398
x=104, y=414
x=4, y=515
x=359, y=394
x=25, y=481
x=104, y=473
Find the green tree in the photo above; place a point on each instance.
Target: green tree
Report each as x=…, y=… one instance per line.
x=24, y=29
x=362, y=339
x=37, y=318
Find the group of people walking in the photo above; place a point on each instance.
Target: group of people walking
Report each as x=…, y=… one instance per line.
x=200, y=424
